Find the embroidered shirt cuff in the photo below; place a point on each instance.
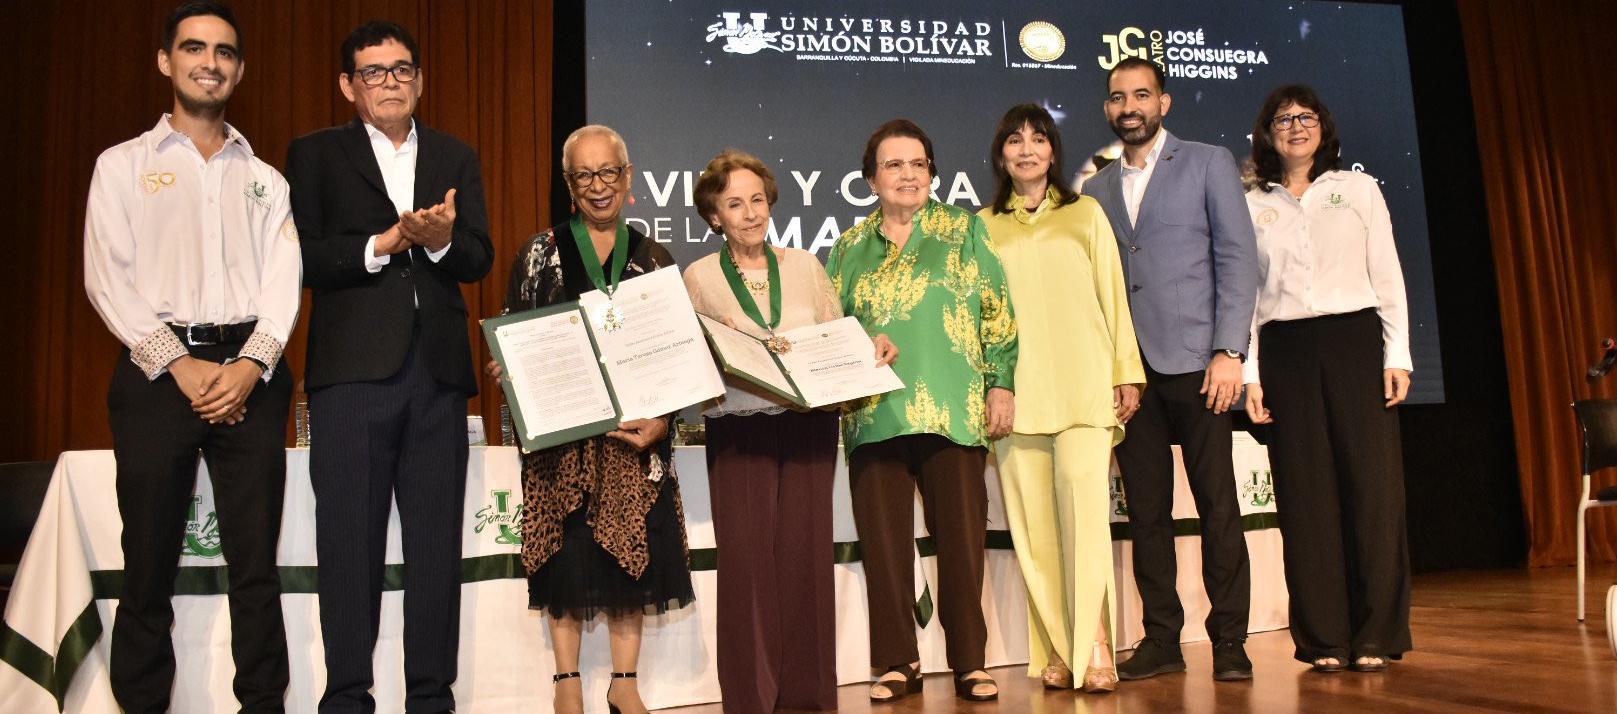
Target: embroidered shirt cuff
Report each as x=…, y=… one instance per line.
x=265, y=350
x=154, y=353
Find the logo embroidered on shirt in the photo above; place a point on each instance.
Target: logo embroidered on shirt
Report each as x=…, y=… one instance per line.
x=1335, y=200
x=258, y=193
x=1268, y=216
x=156, y=181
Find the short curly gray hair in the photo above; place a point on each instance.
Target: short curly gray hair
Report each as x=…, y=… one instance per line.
x=592, y=130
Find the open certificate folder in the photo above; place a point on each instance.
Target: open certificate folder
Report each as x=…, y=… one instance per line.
x=568, y=377
x=828, y=363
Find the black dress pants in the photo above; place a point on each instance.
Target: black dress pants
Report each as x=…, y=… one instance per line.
x=371, y=443
x=1172, y=412
x=1339, y=485
x=156, y=439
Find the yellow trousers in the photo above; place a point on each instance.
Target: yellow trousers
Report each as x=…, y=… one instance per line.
x=1058, y=501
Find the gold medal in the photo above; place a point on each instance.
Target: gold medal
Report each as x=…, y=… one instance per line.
x=612, y=318
x=777, y=344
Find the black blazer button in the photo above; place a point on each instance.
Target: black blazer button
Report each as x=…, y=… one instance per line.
x=1134, y=288
x=1134, y=249
x=405, y=273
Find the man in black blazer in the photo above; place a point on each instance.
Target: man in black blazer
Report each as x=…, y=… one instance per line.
x=392, y=220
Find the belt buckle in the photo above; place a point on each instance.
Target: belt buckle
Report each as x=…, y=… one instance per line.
x=195, y=341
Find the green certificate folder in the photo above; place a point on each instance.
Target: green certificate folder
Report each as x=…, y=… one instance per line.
x=553, y=345
x=828, y=363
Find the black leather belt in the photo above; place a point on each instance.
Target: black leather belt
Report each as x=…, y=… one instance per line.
x=211, y=334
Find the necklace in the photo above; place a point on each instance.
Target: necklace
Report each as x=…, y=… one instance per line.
x=757, y=286
x=741, y=288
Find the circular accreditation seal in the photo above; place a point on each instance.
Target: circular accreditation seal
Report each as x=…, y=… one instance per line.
x=1268, y=216
x=1042, y=41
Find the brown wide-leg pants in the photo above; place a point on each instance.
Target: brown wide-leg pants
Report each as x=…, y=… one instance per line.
x=883, y=477
x=770, y=476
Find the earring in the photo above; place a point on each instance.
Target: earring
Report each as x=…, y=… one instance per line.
x=631, y=199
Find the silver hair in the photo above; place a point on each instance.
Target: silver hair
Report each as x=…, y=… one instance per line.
x=593, y=130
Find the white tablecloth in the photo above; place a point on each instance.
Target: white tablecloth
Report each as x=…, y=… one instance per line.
x=53, y=641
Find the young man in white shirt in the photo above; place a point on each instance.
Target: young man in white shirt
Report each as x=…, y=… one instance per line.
x=191, y=258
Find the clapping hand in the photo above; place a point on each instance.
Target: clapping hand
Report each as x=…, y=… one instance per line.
x=430, y=228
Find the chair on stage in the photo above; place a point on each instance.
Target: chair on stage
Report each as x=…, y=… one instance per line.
x=22, y=493
x=1597, y=419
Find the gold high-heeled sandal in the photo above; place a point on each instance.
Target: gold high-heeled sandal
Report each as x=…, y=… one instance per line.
x=1099, y=679
x=1057, y=675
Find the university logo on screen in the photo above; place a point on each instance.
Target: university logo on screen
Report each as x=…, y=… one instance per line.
x=1182, y=53
x=854, y=39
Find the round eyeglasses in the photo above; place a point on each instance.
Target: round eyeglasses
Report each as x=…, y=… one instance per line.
x=608, y=175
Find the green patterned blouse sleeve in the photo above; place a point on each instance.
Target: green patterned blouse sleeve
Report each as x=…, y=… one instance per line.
x=997, y=321
x=943, y=300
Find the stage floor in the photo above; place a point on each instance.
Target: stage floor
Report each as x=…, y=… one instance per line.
x=1485, y=641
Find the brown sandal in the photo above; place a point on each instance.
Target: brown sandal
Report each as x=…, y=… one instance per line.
x=896, y=689
x=964, y=684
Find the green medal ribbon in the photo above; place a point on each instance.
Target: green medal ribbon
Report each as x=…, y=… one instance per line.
x=732, y=275
x=592, y=262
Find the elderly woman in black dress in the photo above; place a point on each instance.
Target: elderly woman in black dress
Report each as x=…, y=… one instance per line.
x=603, y=529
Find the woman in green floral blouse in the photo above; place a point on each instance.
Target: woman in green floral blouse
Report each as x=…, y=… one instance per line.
x=923, y=273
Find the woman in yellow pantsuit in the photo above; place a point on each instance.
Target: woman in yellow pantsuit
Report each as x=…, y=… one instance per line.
x=1083, y=376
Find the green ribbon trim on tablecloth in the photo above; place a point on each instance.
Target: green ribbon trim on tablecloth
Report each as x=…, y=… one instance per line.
x=55, y=674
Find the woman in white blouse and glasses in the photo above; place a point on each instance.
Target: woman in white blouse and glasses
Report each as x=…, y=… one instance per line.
x=1329, y=360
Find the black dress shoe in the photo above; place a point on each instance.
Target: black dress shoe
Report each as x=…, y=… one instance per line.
x=1230, y=663
x=1151, y=658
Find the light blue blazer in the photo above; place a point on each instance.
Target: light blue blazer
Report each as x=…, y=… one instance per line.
x=1191, y=261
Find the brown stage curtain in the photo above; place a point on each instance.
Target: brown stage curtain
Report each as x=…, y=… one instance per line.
x=1544, y=102
x=84, y=77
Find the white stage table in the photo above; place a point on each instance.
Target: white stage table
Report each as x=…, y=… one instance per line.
x=56, y=653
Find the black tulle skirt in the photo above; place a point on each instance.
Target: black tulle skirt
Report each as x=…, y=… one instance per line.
x=582, y=580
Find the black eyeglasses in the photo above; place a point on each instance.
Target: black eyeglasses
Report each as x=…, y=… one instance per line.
x=1308, y=120
x=608, y=176
x=374, y=75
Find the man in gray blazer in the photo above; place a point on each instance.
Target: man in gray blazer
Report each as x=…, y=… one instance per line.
x=1190, y=259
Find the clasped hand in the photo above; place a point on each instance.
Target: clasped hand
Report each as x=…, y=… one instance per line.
x=217, y=392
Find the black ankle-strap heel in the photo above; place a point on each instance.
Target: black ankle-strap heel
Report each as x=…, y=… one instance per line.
x=564, y=675
x=613, y=708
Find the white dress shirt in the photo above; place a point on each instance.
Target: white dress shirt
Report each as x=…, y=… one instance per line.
x=1135, y=179
x=398, y=175
x=1329, y=253
x=173, y=237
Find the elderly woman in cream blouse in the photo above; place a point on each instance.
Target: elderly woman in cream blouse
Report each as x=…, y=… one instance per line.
x=770, y=466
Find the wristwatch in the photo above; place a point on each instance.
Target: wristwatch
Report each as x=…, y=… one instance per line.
x=1232, y=354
